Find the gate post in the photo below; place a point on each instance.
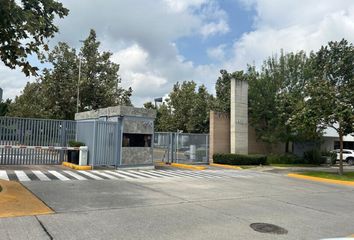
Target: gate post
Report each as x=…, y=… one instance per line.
x=62, y=139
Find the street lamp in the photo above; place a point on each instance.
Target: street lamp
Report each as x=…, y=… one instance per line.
x=157, y=100
x=78, y=82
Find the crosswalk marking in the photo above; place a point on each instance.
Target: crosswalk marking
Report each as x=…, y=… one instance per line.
x=21, y=175
x=75, y=175
x=59, y=175
x=129, y=175
x=118, y=174
x=104, y=174
x=41, y=175
x=90, y=175
x=3, y=175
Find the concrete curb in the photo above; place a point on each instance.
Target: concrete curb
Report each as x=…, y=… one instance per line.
x=225, y=166
x=16, y=200
x=323, y=180
x=180, y=165
x=75, y=166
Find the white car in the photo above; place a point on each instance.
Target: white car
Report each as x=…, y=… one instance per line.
x=348, y=155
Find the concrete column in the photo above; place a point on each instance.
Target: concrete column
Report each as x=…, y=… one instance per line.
x=239, y=116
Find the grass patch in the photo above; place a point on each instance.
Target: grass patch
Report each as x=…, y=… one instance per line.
x=293, y=165
x=347, y=176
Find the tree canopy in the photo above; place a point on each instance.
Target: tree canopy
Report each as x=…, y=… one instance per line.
x=25, y=27
x=54, y=94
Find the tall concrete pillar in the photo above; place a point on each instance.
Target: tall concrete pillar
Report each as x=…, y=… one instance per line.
x=239, y=116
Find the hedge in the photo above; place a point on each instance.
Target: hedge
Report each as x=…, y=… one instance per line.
x=284, y=159
x=238, y=159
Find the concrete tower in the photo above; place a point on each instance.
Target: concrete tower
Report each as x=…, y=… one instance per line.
x=239, y=116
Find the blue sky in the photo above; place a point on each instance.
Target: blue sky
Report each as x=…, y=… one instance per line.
x=160, y=42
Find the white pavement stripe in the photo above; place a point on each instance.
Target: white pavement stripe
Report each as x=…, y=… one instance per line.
x=104, y=174
x=75, y=175
x=191, y=174
x=59, y=175
x=130, y=174
x=142, y=173
x=175, y=174
x=3, y=175
x=41, y=175
x=90, y=175
x=155, y=174
x=118, y=174
x=21, y=175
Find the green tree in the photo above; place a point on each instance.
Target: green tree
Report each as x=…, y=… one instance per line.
x=57, y=86
x=24, y=28
x=223, y=90
x=100, y=80
x=329, y=96
x=184, y=109
x=199, y=120
x=4, y=107
x=275, y=94
x=30, y=103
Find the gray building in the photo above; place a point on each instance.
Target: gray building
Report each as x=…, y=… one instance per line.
x=117, y=136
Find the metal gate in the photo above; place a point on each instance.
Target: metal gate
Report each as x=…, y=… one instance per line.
x=181, y=147
x=34, y=132
x=103, y=140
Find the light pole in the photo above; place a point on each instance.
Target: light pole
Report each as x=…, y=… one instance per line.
x=78, y=82
x=78, y=86
x=157, y=100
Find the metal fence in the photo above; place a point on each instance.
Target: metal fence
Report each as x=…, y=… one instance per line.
x=103, y=141
x=181, y=147
x=34, y=132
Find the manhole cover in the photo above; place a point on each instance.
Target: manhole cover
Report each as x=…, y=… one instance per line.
x=268, y=228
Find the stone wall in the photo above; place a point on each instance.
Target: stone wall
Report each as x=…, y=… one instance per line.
x=219, y=133
x=136, y=155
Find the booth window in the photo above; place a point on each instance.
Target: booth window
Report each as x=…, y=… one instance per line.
x=136, y=140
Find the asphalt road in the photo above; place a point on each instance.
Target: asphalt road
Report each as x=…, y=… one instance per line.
x=185, y=208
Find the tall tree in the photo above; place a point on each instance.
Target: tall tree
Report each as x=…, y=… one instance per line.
x=223, y=90
x=30, y=103
x=24, y=28
x=100, y=80
x=184, y=109
x=329, y=96
x=58, y=85
x=4, y=107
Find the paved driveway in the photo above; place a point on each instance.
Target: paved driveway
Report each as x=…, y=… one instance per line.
x=187, y=208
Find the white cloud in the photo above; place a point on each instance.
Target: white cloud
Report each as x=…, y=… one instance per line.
x=214, y=28
x=292, y=26
x=217, y=53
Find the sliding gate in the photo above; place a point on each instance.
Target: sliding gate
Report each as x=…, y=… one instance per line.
x=24, y=132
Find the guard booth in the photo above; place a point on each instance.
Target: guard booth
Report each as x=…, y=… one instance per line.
x=119, y=136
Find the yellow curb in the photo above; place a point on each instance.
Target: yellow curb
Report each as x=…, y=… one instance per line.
x=16, y=200
x=180, y=165
x=225, y=166
x=76, y=167
x=324, y=180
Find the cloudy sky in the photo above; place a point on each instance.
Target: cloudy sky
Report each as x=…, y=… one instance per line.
x=160, y=42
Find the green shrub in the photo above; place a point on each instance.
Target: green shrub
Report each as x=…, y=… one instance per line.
x=284, y=159
x=331, y=154
x=313, y=156
x=73, y=143
x=238, y=159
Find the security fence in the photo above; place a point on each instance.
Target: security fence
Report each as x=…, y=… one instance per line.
x=34, y=132
x=181, y=147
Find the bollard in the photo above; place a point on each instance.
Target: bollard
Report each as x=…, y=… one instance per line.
x=83, y=156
